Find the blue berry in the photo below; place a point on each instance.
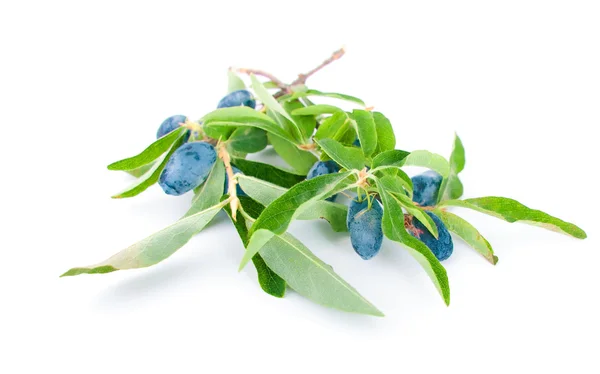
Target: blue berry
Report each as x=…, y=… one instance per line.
x=237, y=98
x=238, y=189
x=171, y=124
x=442, y=247
x=426, y=187
x=356, y=142
x=365, y=229
x=322, y=168
x=187, y=168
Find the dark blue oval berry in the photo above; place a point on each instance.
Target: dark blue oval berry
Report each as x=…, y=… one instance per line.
x=365, y=229
x=442, y=247
x=171, y=124
x=237, y=98
x=238, y=189
x=187, y=168
x=322, y=168
x=426, y=187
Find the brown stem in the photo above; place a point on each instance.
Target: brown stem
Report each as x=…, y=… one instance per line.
x=334, y=56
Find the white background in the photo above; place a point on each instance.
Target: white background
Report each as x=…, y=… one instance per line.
x=83, y=84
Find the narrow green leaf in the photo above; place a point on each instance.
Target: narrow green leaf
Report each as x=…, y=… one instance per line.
x=248, y=140
x=297, y=158
x=269, y=281
x=278, y=215
x=334, y=95
x=386, y=139
x=393, y=228
x=333, y=127
x=394, y=157
x=156, y=247
x=348, y=157
x=269, y=173
x=311, y=277
x=151, y=175
x=140, y=171
x=234, y=83
x=513, y=211
x=366, y=130
x=269, y=101
x=265, y=193
x=223, y=121
x=428, y=160
x=468, y=233
x=306, y=124
x=452, y=187
x=211, y=191
x=316, y=110
x=154, y=151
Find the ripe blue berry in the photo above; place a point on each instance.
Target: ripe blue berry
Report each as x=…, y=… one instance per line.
x=442, y=247
x=426, y=187
x=238, y=189
x=187, y=168
x=365, y=229
x=171, y=124
x=322, y=168
x=237, y=98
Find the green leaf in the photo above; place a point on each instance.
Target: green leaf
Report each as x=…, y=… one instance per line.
x=307, y=124
x=248, y=140
x=269, y=173
x=265, y=193
x=365, y=128
x=452, y=187
x=334, y=95
x=386, y=139
x=222, y=122
x=269, y=101
x=513, y=211
x=297, y=158
x=278, y=215
x=234, y=82
x=391, y=186
x=211, y=191
x=348, y=157
x=156, y=247
x=154, y=151
x=428, y=160
x=311, y=277
x=333, y=127
x=393, y=228
x=468, y=233
x=151, y=175
x=269, y=281
x=394, y=157
x=315, y=110
x=140, y=171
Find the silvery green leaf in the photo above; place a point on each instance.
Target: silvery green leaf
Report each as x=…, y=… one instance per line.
x=268, y=173
x=428, y=160
x=315, y=110
x=307, y=93
x=234, y=82
x=154, y=248
x=452, y=187
x=248, y=140
x=394, y=157
x=468, y=233
x=513, y=211
x=333, y=127
x=386, y=139
x=154, y=151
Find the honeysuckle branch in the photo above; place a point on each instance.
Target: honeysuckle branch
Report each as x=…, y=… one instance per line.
x=234, y=202
x=271, y=77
